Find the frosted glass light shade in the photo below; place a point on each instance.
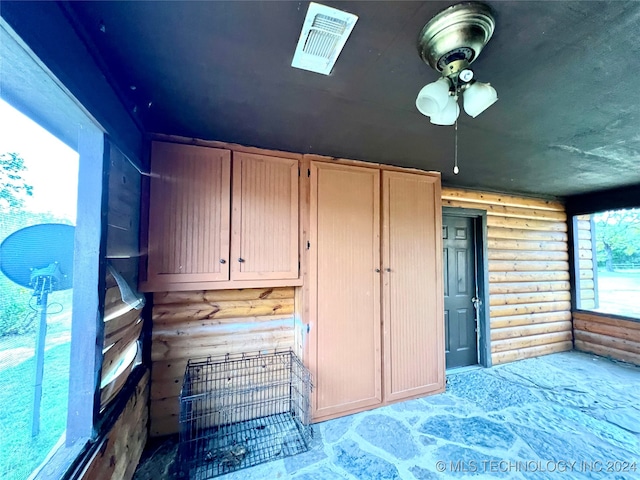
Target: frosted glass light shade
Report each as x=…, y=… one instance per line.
x=433, y=97
x=449, y=114
x=478, y=97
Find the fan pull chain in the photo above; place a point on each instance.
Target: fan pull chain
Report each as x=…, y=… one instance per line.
x=456, y=170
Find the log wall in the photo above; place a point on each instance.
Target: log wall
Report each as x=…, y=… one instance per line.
x=120, y=451
x=529, y=291
x=586, y=281
x=607, y=336
x=211, y=323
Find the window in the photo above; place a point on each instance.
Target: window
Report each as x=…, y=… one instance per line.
x=50, y=202
x=38, y=190
x=608, y=262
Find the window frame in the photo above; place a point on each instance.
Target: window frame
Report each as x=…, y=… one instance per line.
x=592, y=205
x=70, y=84
x=47, y=103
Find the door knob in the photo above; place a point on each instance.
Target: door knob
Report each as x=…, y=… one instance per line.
x=377, y=270
x=241, y=260
x=387, y=269
x=222, y=260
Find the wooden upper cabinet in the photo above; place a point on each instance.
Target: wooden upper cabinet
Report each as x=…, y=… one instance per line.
x=216, y=223
x=264, y=240
x=189, y=214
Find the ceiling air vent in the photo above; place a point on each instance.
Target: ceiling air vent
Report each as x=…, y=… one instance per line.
x=324, y=33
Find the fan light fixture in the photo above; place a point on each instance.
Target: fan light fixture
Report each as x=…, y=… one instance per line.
x=449, y=43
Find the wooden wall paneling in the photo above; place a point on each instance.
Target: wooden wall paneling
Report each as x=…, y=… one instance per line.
x=530, y=341
x=525, y=287
x=611, y=321
x=211, y=323
x=511, y=211
x=526, y=224
x=189, y=214
x=529, y=319
x=277, y=334
x=586, y=282
x=606, y=340
x=486, y=198
x=530, y=352
x=508, y=277
x=531, y=245
x=522, y=298
x=123, y=216
x=344, y=344
x=608, y=352
x=120, y=451
x=507, y=310
x=527, y=266
x=265, y=218
x=305, y=251
x=607, y=336
x=498, y=232
x=532, y=329
x=413, y=355
x=190, y=312
x=208, y=296
x=520, y=255
x=302, y=298
x=529, y=290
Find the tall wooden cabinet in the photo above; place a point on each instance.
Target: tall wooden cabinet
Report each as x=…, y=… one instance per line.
x=412, y=285
x=221, y=222
x=345, y=351
x=376, y=333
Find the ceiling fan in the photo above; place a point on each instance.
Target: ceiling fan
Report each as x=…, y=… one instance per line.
x=449, y=43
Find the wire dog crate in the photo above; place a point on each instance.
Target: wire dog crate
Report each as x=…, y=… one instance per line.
x=242, y=410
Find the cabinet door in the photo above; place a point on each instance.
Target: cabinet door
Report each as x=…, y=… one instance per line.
x=264, y=241
x=412, y=282
x=344, y=343
x=188, y=214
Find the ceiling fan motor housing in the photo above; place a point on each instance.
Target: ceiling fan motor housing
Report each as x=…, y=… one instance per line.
x=454, y=38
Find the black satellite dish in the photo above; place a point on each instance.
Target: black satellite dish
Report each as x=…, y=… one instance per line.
x=39, y=250
x=40, y=258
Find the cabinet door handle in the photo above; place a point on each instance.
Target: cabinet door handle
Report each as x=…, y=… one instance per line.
x=222, y=260
x=387, y=269
x=241, y=260
x=377, y=270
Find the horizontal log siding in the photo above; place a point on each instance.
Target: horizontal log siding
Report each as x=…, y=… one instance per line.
x=607, y=336
x=210, y=323
x=586, y=264
x=529, y=291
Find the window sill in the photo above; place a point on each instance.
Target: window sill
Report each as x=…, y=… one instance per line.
x=60, y=459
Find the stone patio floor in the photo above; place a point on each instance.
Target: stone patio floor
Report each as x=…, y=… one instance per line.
x=566, y=415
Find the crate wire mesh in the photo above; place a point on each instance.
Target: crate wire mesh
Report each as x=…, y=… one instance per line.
x=242, y=410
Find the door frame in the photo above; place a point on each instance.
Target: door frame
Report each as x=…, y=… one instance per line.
x=482, y=277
